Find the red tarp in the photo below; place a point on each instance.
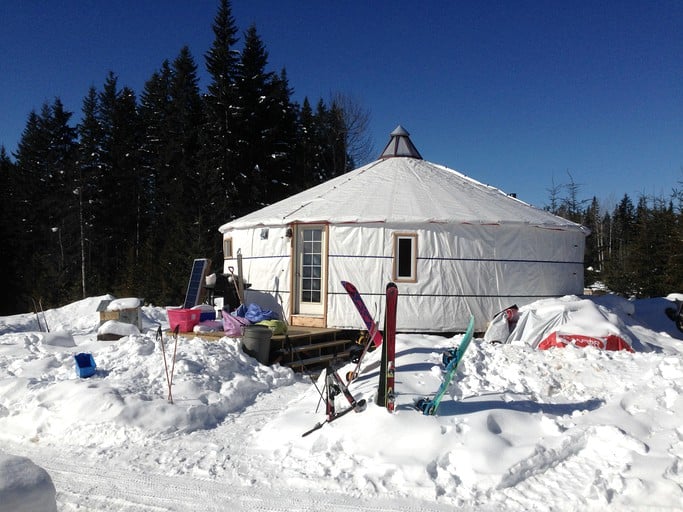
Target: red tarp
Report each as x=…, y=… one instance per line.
x=611, y=342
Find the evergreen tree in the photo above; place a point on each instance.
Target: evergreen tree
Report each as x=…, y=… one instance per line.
x=305, y=172
x=160, y=180
x=187, y=114
x=45, y=163
x=171, y=113
x=673, y=272
x=618, y=276
x=90, y=183
x=218, y=149
x=571, y=206
x=122, y=197
x=648, y=256
x=100, y=207
x=595, y=243
x=25, y=231
x=265, y=125
x=336, y=129
x=10, y=258
x=283, y=120
x=327, y=144
x=60, y=204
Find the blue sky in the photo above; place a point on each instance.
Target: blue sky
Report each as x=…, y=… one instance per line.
x=515, y=94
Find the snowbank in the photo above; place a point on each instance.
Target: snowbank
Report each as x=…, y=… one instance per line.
x=519, y=429
x=25, y=487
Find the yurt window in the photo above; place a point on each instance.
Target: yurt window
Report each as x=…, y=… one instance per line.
x=405, y=257
x=227, y=248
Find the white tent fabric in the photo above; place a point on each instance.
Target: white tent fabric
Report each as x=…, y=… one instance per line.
x=402, y=191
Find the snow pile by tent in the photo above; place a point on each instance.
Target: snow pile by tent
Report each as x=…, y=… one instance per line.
x=570, y=320
x=519, y=429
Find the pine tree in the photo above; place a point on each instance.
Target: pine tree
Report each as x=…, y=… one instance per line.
x=619, y=277
x=60, y=203
x=594, y=255
x=265, y=125
x=90, y=183
x=217, y=155
x=283, y=120
x=161, y=181
x=186, y=115
x=305, y=150
x=45, y=163
x=171, y=113
x=10, y=258
x=122, y=198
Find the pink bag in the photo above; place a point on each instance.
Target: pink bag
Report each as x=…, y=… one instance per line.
x=234, y=325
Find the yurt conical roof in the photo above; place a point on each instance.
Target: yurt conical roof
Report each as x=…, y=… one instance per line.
x=401, y=188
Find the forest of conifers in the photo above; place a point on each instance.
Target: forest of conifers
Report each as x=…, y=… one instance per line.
x=125, y=199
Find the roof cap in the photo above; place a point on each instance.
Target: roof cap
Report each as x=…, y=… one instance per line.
x=400, y=145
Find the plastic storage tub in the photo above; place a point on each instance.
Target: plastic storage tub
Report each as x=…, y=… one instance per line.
x=185, y=318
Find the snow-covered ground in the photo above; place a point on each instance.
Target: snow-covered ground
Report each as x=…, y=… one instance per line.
x=519, y=429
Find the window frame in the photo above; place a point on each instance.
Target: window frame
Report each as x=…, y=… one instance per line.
x=397, y=258
x=227, y=248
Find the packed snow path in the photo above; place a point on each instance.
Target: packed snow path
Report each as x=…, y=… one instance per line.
x=229, y=477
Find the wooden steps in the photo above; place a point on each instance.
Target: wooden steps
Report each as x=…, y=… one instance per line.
x=304, y=348
x=312, y=349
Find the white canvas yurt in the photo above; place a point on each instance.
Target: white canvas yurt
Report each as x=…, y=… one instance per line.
x=453, y=246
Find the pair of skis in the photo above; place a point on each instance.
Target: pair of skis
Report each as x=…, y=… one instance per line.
x=385, y=394
x=334, y=384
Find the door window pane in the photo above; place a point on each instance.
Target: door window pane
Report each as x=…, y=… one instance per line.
x=311, y=266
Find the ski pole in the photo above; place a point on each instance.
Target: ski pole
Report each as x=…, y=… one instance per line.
x=160, y=337
x=175, y=348
x=40, y=302
x=35, y=310
x=303, y=368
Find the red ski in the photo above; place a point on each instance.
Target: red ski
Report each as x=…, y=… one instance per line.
x=386, y=393
x=369, y=322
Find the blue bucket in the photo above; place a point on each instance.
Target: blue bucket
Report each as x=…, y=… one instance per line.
x=85, y=365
